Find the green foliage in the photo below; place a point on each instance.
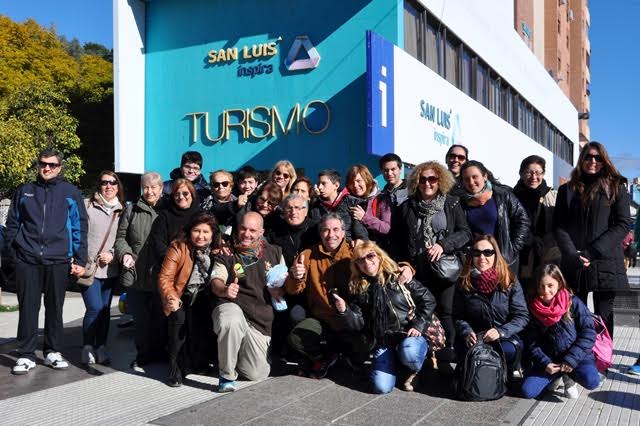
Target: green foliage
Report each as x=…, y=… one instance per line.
x=50, y=91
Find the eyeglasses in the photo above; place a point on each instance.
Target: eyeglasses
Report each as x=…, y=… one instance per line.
x=223, y=184
x=183, y=194
x=591, y=157
x=458, y=157
x=266, y=201
x=291, y=209
x=283, y=174
x=44, y=165
x=485, y=253
x=431, y=179
x=531, y=173
x=191, y=168
x=108, y=182
x=367, y=257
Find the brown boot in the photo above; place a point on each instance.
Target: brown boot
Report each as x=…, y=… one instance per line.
x=408, y=383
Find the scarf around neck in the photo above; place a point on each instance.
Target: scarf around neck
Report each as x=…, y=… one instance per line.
x=553, y=312
x=332, y=205
x=484, y=282
x=479, y=198
x=426, y=211
x=200, y=273
x=253, y=253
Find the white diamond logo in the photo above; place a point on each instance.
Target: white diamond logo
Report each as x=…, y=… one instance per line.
x=293, y=64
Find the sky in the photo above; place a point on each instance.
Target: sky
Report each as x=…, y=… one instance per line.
x=615, y=61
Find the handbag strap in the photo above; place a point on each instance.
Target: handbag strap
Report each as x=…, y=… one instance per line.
x=106, y=235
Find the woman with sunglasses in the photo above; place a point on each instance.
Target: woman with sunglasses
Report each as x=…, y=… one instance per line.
x=395, y=315
x=591, y=219
x=490, y=303
x=304, y=188
x=493, y=209
x=283, y=175
x=103, y=210
x=267, y=204
x=455, y=158
x=428, y=225
x=539, y=200
x=222, y=203
x=372, y=208
x=184, y=284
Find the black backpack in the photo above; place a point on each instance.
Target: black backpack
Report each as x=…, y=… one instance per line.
x=483, y=374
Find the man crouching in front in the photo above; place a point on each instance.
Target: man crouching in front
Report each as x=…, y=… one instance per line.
x=243, y=314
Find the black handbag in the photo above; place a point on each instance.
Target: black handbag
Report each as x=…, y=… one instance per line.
x=448, y=268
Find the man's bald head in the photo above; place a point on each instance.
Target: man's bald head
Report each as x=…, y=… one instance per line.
x=250, y=229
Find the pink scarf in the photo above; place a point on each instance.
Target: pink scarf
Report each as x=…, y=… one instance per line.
x=553, y=312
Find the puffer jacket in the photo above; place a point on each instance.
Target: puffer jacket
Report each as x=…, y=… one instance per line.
x=569, y=341
x=512, y=227
x=596, y=232
x=47, y=223
x=133, y=238
x=405, y=228
x=99, y=223
x=359, y=313
x=504, y=310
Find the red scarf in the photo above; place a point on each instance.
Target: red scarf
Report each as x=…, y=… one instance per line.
x=332, y=205
x=485, y=282
x=553, y=312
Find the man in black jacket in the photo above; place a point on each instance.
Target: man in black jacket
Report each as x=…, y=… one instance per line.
x=47, y=229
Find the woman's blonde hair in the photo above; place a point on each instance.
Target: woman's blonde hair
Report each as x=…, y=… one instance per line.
x=506, y=279
x=292, y=174
x=388, y=267
x=446, y=181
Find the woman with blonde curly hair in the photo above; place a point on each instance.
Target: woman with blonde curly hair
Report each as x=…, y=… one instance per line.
x=396, y=316
x=283, y=175
x=428, y=228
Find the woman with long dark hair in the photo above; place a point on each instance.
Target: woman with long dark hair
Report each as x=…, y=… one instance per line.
x=591, y=219
x=103, y=211
x=184, y=287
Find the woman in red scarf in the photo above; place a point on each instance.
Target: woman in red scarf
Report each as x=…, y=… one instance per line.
x=559, y=338
x=489, y=300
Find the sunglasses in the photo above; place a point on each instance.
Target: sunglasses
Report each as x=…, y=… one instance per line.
x=108, y=182
x=369, y=256
x=458, y=157
x=485, y=253
x=217, y=185
x=591, y=157
x=284, y=175
x=183, y=194
x=44, y=165
x=265, y=201
x=431, y=179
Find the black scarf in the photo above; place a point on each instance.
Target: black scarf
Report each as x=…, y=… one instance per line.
x=530, y=199
x=380, y=321
x=426, y=211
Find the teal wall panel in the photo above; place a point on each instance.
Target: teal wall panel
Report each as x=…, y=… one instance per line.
x=180, y=80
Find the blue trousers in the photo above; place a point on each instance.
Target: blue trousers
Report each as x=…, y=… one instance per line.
x=585, y=373
x=411, y=353
x=97, y=301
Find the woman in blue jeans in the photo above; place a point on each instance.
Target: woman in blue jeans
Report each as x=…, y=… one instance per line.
x=489, y=300
x=559, y=338
x=103, y=211
x=395, y=315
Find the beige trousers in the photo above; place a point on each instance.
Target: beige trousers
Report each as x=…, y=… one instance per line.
x=241, y=348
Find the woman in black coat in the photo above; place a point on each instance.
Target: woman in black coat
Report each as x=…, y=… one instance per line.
x=591, y=219
x=489, y=300
x=395, y=316
x=428, y=225
x=493, y=209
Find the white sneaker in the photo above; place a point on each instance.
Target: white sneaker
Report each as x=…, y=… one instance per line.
x=23, y=365
x=570, y=388
x=87, y=356
x=55, y=361
x=553, y=386
x=102, y=356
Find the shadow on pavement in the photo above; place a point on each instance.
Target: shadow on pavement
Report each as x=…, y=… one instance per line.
x=616, y=398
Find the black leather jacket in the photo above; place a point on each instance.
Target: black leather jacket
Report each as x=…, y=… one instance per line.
x=358, y=315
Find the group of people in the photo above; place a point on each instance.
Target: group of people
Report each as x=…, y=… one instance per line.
x=237, y=270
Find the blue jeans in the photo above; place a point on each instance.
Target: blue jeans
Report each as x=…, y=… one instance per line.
x=411, y=353
x=97, y=301
x=585, y=373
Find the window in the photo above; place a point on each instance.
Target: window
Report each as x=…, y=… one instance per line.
x=411, y=34
x=431, y=45
x=452, y=60
x=482, y=75
x=466, y=72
